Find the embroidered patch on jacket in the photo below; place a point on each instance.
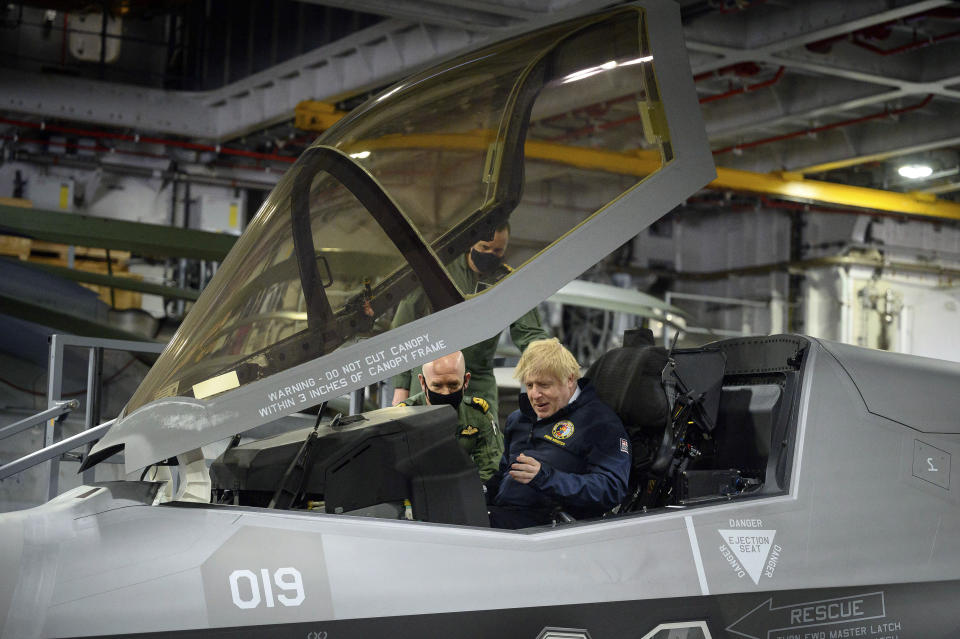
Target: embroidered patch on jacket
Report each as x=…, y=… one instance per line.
x=563, y=430
x=624, y=446
x=556, y=441
x=469, y=430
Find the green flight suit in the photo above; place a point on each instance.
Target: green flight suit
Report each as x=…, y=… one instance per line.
x=477, y=433
x=478, y=357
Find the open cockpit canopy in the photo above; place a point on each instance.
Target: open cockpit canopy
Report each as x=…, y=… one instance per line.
x=384, y=202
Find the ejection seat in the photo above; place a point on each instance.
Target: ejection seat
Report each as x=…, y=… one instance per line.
x=628, y=380
x=658, y=396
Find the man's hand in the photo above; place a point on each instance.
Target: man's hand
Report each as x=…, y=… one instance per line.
x=524, y=469
x=400, y=395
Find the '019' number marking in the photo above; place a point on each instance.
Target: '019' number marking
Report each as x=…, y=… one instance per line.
x=245, y=588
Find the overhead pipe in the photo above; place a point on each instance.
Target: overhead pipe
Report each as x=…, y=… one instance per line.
x=106, y=149
x=826, y=127
x=144, y=172
x=912, y=46
x=603, y=126
x=243, y=183
x=83, y=147
x=742, y=69
x=884, y=31
x=139, y=139
x=745, y=89
x=738, y=69
x=841, y=262
x=803, y=207
x=817, y=208
x=824, y=46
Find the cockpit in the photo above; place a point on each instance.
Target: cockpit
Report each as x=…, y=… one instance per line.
x=722, y=427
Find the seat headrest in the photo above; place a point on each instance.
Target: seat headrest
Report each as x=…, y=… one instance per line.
x=628, y=380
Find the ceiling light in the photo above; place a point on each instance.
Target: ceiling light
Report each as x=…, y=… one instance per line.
x=915, y=171
x=360, y=155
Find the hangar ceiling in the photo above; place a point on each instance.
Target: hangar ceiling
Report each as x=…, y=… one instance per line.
x=842, y=92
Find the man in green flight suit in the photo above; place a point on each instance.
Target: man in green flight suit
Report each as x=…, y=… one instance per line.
x=443, y=381
x=472, y=272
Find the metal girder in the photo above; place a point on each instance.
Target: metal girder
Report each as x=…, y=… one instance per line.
x=939, y=87
x=875, y=140
x=948, y=187
x=480, y=18
x=529, y=10
x=115, y=105
x=373, y=57
x=894, y=150
x=796, y=99
x=363, y=60
x=799, y=25
x=112, y=281
x=839, y=83
x=151, y=240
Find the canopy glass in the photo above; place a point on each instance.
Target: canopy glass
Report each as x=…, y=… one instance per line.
x=382, y=203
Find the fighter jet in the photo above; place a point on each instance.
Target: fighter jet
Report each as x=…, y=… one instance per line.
x=784, y=486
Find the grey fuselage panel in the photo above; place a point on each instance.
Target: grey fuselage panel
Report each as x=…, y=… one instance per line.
x=919, y=392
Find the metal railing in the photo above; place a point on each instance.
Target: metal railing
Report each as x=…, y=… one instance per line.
x=57, y=408
x=60, y=411
x=54, y=448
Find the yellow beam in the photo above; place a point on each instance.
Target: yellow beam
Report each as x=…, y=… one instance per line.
x=470, y=141
x=795, y=187
x=311, y=115
x=638, y=163
x=641, y=163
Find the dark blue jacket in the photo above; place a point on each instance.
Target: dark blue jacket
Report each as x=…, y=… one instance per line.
x=584, y=456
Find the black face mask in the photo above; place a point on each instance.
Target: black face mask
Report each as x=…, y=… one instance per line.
x=485, y=262
x=453, y=399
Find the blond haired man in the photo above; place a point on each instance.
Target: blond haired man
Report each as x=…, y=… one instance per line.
x=563, y=449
